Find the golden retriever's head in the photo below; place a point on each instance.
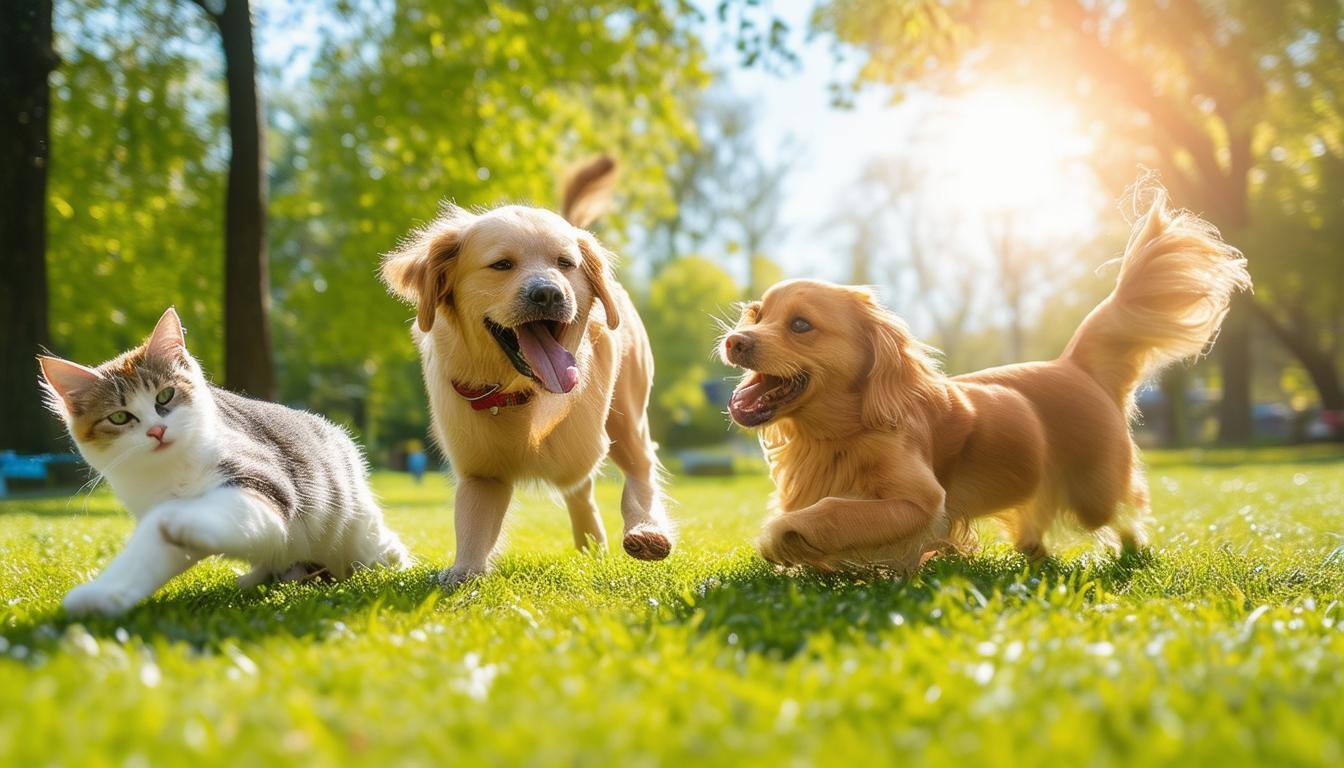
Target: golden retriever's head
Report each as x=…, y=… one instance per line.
x=815, y=350
x=523, y=278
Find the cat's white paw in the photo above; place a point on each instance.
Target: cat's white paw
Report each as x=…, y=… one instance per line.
x=255, y=577
x=186, y=529
x=95, y=599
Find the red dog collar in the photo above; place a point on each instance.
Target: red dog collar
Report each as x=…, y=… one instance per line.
x=490, y=398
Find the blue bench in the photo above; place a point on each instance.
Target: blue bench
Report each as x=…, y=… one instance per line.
x=35, y=467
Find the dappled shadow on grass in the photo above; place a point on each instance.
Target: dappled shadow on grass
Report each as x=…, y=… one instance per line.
x=766, y=610
x=210, y=612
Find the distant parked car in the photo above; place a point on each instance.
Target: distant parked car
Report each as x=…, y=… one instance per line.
x=1321, y=425
x=1272, y=420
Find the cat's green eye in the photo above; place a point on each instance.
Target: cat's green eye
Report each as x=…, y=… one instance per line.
x=165, y=395
x=120, y=417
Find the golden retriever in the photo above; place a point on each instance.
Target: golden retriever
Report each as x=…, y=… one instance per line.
x=536, y=364
x=880, y=459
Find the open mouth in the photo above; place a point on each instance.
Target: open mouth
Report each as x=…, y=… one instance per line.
x=760, y=396
x=535, y=350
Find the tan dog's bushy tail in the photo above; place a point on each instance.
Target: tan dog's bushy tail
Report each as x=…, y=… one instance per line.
x=586, y=191
x=1177, y=277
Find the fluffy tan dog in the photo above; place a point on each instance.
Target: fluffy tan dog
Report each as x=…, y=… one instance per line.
x=536, y=364
x=880, y=459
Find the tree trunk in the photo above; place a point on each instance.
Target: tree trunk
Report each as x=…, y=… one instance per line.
x=1229, y=203
x=1175, y=383
x=1234, y=362
x=248, y=364
x=26, y=61
x=1297, y=336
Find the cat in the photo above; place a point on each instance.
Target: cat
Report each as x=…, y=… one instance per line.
x=208, y=472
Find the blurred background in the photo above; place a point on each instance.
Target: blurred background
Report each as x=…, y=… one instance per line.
x=249, y=162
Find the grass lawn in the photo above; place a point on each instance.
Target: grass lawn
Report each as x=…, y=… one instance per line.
x=1224, y=644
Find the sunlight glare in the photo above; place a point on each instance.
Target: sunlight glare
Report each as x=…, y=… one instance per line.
x=1002, y=149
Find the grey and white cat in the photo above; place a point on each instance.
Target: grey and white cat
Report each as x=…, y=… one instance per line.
x=207, y=472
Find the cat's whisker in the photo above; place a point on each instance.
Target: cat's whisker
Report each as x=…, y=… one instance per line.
x=91, y=484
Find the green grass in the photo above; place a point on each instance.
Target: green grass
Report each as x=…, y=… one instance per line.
x=1223, y=644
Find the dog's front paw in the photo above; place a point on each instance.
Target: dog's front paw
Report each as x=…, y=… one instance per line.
x=450, y=578
x=187, y=530
x=95, y=599
x=785, y=546
x=647, y=542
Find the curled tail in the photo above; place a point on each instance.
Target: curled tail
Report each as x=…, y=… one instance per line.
x=1176, y=279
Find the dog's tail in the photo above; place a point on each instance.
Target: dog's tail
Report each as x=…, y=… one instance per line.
x=1177, y=277
x=586, y=191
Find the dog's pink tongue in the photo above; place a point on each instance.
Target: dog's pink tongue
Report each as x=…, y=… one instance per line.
x=551, y=362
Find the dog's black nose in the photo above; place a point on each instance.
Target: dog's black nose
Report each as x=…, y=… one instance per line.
x=545, y=295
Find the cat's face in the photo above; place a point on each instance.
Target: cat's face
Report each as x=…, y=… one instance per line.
x=136, y=411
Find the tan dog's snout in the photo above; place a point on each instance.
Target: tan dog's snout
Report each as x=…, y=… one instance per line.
x=738, y=347
x=542, y=298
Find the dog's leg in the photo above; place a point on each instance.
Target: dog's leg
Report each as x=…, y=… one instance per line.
x=478, y=517
x=1131, y=525
x=1030, y=522
x=648, y=534
x=833, y=531
x=583, y=517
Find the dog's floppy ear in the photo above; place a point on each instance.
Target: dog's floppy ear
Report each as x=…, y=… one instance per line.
x=597, y=268
x=421, y=269
x=586, y=192
x=902, y=376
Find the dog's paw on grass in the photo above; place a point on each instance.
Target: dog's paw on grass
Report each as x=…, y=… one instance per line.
x=647, y=543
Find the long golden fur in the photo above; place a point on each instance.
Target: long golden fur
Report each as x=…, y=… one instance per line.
x=465, y=268
x=879, y=458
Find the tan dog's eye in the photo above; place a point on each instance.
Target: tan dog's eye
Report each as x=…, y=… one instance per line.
x=503, y=265
x=565, y=263
x=800, y=325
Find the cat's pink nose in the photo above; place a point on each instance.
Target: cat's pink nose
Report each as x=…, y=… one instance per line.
x=156, y=432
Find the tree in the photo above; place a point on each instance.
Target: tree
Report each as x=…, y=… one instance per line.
x=902, y=236
x=1299, y=229
x=26, y=62
x=727, y=192
x=1191, y=86
x=248, y=364
x=135, y=121
x=682, y=303
x=693, y=215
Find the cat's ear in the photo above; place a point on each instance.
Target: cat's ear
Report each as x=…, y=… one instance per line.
x=65, y=378
x=168, y=341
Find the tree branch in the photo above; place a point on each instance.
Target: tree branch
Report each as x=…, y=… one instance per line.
x=204, y=5
x=1136, y=87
